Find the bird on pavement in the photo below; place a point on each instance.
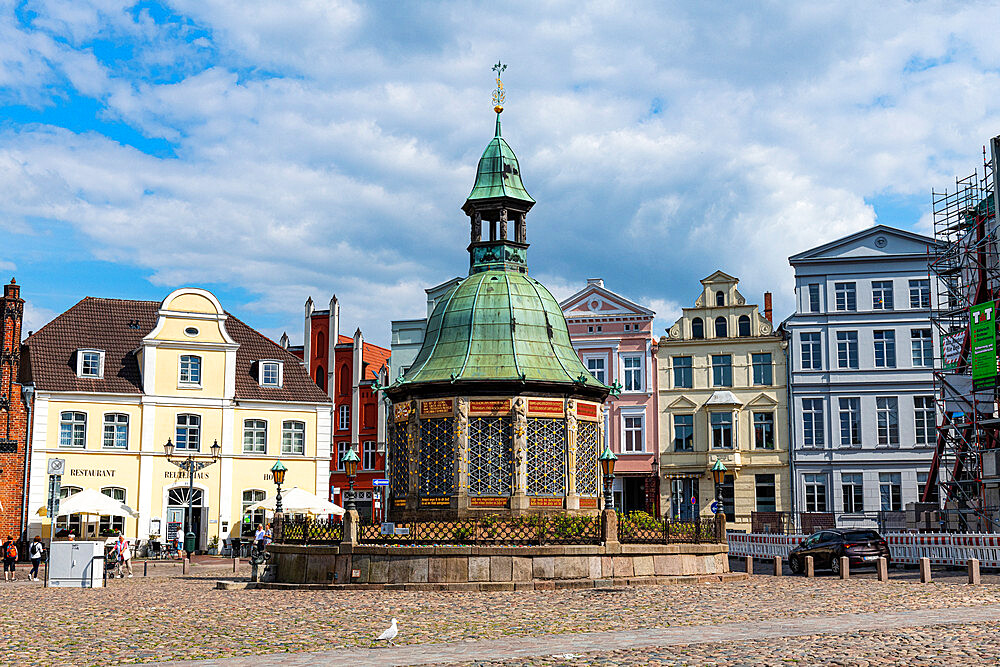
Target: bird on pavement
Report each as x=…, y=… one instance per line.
x=389, y=634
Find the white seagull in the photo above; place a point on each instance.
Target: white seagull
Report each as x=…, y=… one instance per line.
x=389, y=634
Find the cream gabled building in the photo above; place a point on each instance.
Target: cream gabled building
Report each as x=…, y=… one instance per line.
x=115, y=379
x=722, y=394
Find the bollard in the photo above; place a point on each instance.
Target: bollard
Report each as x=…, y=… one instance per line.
x=184, y=565
x=145, y=568
x=810, y=567
x=925, y=570
x=749, y=564
x=236, y=561
x=883, y=569
x=974, y=571
x=777, y=566
x=845, y=567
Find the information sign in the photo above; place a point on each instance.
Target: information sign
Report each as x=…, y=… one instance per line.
x=716, y=507
x=984, y=350
x=380, y=482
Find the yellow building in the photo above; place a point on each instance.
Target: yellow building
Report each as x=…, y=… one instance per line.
x=115, y=380
x=722, y=395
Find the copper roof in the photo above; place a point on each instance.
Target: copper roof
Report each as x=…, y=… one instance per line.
x=117, y=326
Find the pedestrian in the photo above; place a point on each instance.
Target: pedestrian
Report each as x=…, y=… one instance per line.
x=9, y=558
x=268, y=535
x=124, y=554
x=35, y=552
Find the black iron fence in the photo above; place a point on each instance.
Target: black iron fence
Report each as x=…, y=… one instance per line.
x=642, y=528
x=307, y=531
x=807, y=523
x=488, y=531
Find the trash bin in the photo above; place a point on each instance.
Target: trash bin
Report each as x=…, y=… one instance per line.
x=189, y=543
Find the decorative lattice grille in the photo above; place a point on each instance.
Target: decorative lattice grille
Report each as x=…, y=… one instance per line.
x=586, y=458
x=437, y=457
x=546, y=456
x=399, y=461
x=490, y=453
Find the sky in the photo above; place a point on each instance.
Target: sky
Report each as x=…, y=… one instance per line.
x=272, y=151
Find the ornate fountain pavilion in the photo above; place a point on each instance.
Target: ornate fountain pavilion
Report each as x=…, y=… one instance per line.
x=497, y=414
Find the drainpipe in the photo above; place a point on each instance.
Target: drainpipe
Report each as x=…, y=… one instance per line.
x=28, y=393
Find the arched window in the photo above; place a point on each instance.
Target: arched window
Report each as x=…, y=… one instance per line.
x=743, y=326
x=697, y=328
x=721, y=328
x=72, y=522
x=72, y=429
x=293, y=437
x=320, y=344
x=112, y=525
x=251, y=519
x=345, y=380
x=720, y=298
x=321, y=377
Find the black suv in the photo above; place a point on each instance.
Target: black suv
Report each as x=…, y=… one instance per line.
x=861, y=545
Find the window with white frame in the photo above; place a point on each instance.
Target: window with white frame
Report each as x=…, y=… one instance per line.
x=920, y=293
x=924, y=418
x=270, y=373
x=722, y=370
x=683, y=373
x=722, y=429
x=850, y=421
x=190, y=369
x=342, y=449
x=847, y=349
x=882, y=295
x=90, y=363
x=890, y=491
x=115, y=430
x=293, y=437
x=683, y=433
x=108, y=523
x=811, y=350
x=249, y=498
x=815, y=492
x=814, y=298
x=73, y=429
x=852, y=485
x=887, y=411
x=812, y=422
x=254, y=436
x=846, y=296
x=885, y=348
x=187, y=435
x=922, y=347
x=633, y=437
x=596, y=367
x=344, y=417
x=74, y=521
x=369, y=455
x=633, y=372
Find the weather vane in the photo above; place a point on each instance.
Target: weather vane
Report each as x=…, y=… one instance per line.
x=498, y=93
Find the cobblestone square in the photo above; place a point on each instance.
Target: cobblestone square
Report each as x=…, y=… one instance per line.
x=172, y=617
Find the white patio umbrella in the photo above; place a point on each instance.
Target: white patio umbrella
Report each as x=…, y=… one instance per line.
x=90, y=501
x=299, y=501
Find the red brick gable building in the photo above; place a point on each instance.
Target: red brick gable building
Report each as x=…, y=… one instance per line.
x=14, y=447
x=358, y=413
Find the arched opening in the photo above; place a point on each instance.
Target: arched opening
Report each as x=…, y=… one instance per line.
x=345, y=380
x=320, y=345
x=743, y=326
x=720, y=298
x=697, y=328
x=721, y=328
x=321, y=377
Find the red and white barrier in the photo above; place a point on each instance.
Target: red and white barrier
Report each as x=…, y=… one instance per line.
x=941, y=548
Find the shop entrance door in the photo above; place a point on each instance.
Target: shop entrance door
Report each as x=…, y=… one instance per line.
x=177, y=504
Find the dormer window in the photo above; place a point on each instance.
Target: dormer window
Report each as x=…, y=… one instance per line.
x=190, y=370
x=90, y=363
x=271, y=373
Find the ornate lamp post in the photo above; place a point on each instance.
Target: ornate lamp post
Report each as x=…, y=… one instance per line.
x=351, y=461
x=607, y=459
x=718, y=470
x=278, y=470
x=190, y=465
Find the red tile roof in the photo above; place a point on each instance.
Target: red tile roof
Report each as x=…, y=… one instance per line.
x=117, y=327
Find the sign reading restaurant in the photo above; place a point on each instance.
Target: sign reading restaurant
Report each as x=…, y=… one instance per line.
x=90, y=472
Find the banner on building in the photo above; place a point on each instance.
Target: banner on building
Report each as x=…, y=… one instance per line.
x=984, y=345
x=951, y=349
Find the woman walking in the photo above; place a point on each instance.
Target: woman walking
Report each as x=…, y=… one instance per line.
x=35, y=552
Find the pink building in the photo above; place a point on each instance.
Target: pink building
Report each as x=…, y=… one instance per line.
x=614, y=339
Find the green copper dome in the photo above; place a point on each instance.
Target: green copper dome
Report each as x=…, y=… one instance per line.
x=499, y=174
x=499, y=326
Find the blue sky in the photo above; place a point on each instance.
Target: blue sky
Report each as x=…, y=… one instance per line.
x=270, y=151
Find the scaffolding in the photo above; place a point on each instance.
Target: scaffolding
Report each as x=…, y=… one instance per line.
x=966, y=264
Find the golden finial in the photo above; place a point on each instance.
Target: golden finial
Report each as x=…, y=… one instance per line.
x=498, y=94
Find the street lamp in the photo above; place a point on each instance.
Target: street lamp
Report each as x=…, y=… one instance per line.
x=190, y=466
x=607, y=459
x=278, y=470
x=351, y=468
x=719, y=477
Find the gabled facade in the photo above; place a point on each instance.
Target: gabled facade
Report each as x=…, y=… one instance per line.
x=614, y=339
x=722, y=395
x=347, y=368
x=861, y=352
x=115, y=379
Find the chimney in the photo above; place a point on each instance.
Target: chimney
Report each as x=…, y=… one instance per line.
x=767, y=307
x=597, y=282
